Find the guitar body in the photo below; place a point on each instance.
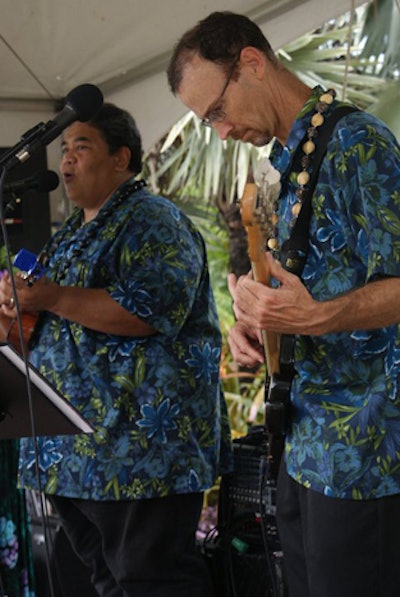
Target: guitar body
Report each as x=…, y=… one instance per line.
x=28, y=321
x=279, y=369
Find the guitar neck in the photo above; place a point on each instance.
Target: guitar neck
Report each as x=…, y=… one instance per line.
x=259, y=266
x=270, y=339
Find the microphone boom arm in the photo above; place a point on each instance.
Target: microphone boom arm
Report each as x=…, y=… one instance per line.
x=25, y=139
x=82, y=103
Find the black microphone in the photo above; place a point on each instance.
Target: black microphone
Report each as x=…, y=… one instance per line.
x=82, y=103
x=44, y=181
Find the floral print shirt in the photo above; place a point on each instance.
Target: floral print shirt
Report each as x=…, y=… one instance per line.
x=345, y=435
x=161, y=424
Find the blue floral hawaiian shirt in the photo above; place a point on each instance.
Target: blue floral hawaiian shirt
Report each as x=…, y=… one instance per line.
x=345, y=434
x=160, y=419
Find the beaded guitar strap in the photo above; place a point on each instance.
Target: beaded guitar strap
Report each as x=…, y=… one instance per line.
x=293, y=258
x=294, y=250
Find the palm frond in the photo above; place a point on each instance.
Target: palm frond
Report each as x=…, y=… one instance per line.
x=381, y=34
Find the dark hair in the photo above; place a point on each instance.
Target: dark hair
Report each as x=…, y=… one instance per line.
x=219, y=38
x=119, y=129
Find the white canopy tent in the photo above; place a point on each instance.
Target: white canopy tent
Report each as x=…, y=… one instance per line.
x=48, y=47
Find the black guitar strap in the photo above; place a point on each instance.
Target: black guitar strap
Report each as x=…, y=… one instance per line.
x=293, y=258
x=295, y=249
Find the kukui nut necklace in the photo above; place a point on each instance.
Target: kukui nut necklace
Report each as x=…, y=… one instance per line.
x=303, y=177
x=82, y=237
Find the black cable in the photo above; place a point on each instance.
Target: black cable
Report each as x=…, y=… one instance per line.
x=2, y=593
x=231, y=575
x=26, y=365
x=263, y=476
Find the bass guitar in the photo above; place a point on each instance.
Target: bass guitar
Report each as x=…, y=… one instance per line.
x=278, y=356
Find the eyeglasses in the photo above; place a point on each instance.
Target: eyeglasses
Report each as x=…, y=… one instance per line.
x=217, y=114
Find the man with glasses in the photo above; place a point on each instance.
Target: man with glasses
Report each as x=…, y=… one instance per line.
x=338, y=509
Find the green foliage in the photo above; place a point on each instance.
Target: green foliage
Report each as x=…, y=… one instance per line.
x=381, y=31
x=3, y=257
x=192, y=162
x=4, y=262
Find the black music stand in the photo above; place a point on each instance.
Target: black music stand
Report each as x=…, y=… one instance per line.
x=53, y=414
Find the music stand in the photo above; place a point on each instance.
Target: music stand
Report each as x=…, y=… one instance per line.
x=53, y=414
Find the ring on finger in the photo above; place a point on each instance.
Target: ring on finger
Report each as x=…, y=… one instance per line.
x=11, y=302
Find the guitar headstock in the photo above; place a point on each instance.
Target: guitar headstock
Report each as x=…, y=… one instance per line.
x=256, y=219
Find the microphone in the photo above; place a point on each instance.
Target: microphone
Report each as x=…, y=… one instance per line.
x=82, y=103
x=44, y=181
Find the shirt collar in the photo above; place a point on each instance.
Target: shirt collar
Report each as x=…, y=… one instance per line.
x=282, y=157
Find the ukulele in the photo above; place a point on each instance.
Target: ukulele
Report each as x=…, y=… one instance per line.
x=279, y=366
x=9, y=330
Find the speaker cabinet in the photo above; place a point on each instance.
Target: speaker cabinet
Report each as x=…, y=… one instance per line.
x=27, y=221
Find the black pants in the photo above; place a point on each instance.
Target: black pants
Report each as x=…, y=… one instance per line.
x=338, y=548
x=143, y=548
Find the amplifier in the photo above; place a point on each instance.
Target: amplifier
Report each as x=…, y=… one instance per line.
x=252, y=555
x=249, y=486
